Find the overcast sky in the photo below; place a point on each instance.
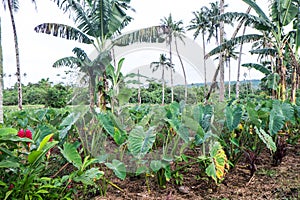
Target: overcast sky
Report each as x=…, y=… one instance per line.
x=39, y=51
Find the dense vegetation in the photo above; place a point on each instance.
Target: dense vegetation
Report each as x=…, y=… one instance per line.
x=86, y=135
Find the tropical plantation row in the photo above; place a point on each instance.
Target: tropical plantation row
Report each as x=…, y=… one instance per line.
x=78, y=139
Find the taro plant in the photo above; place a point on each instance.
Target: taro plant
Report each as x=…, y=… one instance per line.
x=84, y=173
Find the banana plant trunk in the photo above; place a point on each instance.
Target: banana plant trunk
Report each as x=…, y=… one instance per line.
x=1, y=79
x=92, y=84
x=282, y=72
x=11, y=12
x=102, y=91
x=294, y=85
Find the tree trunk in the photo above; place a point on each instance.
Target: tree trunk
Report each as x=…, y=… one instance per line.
x=139, y=89
x=183, y=70
x=163, y=85
x=294, y=85
x=172, y=81
x=1, y=79
x=221, y=59
x=295, y=66
x=218, y=68
x=214, y=83
x=102, y=91
x=17, y=54
x=92, y=84
x=239, y=65
x=204, y=62
x=282, y=72
x=229, y=77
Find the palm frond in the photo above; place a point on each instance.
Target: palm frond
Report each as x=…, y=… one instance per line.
x=257, y=9
x=258, y=67
x=81, y=54
x=264, y=51
x=284, y=12
x=63, y=31
x=231, y=43
x=154, y=34
x=71, y=62
x=250, y=20
x=83, y=17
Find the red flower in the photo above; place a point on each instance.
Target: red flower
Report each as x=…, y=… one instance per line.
x=11, y=186
x=21, y=133
x=28, y=134
x=51, y=139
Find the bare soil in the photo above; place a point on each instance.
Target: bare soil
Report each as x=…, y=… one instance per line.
x=269, y=182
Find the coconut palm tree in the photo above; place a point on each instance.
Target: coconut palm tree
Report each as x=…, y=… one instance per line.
x=200, y=24
x=163, y=63
x=168, y=22
x=13, y=6
x=176, y=31
x=281, y=16
x=97, y=23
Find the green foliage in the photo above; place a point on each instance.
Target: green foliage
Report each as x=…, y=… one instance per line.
x=41, y=93
x=140, y=141
x=83, y=175
x=118, y=168
x=233, y=117
x=218, y=162
x=266, y=138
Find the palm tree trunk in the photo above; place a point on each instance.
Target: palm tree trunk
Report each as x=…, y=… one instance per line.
x=1, y=79
x=139, y=89
x=221, y=60
x=218, y=68
x=204, y=61
x=229, y=81
x=183, y=70
x=213, y=84
x=163, y=85
x=172, y=81
x=239, y=66
x=17, y=54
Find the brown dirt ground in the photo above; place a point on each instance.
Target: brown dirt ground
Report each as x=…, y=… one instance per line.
x=269, y=182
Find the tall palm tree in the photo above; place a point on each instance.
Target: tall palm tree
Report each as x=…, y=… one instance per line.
x=168, y=22
x=176, y=31
x=13, y=6
x=200, y=24
x=212, y=15
x=237, y=89
x=163, y=63
x=1, y=79
x=97, y=23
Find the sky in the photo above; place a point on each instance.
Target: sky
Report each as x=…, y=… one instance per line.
x=39, y=51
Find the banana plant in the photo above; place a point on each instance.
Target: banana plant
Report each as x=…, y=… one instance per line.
x=97, y=23
x=273, y=29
